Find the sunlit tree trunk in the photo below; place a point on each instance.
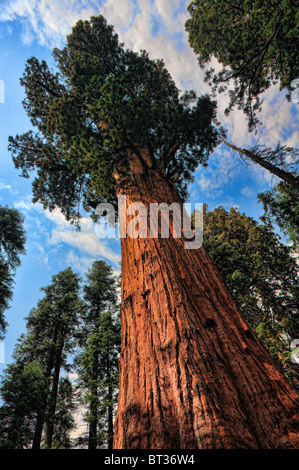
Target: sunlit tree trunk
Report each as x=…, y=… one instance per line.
x=192, y=372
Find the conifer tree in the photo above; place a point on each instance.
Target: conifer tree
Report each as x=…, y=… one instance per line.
x=98, y=380
x=281, y=207
x=98, y=362
x=52, y=327
x=23, y=391
x=36, y=400
x=64, y=418
x=255, y=42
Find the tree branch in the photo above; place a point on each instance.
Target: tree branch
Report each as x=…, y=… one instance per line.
x=280, y=173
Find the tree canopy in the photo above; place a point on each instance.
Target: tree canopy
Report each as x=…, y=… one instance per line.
x=101, y=104
x=256, y=42
x=23, y=391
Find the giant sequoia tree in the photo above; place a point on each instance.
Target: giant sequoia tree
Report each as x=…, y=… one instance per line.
x=111, y=122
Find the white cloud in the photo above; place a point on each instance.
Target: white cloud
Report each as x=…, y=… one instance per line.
x=121, y=16
x=26, y=205
x=293, y=140
x=248, y=191
x=50, y=21
x=84, y=240
x=84, y=245
x=79, y=263
x=4, y=186
x=276, y=118
x=263, y=178
x=41, y=253
x=223, y=171
x=7, y=187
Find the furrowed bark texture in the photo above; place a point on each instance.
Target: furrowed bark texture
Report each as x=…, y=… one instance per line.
x=192, y=373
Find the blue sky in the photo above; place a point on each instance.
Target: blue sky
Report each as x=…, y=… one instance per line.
x=32, y=28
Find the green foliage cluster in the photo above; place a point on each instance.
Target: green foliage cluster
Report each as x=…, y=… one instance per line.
x=23, y=391
x=262, y=275
x=64, y=418
x=256, y=42
x=281, y=205
x=103, y=103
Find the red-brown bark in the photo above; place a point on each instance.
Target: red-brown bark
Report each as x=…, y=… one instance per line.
x=192, y=373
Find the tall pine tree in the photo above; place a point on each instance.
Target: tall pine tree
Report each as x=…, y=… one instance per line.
x=52, y=328
x=98, y=379
x=98, y=362
x=23, y=391
x=281, y=207
x=64, y=418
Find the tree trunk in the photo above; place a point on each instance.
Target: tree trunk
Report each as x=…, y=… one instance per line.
x=53, y=399
x=275, y=170
x=94, y=404
x=37, y=437
x=110, y=407
x=192, y=373
x=40, y=420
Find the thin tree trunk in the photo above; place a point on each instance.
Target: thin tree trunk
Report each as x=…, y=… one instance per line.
x=94, y=404
x=40, y=420
x=110, y=407
x=38, y=430
x=254, y=157
x=16, y=432
x=53, y=399
x=192, y=373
